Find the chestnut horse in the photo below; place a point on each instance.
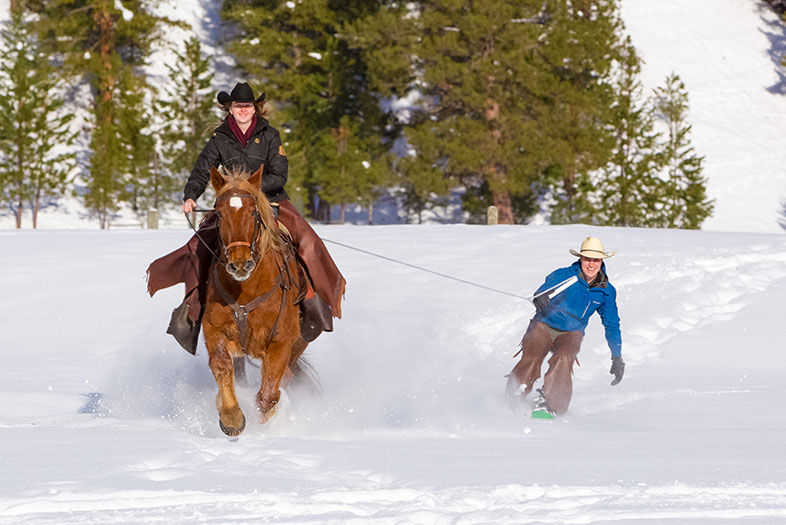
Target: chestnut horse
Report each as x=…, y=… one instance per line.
x=250, y=307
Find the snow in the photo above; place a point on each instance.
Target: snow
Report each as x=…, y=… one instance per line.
x=729, y=56
x=106, y=419
x=125, y=13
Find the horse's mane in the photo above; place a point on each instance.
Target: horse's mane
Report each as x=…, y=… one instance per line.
x=237, y=180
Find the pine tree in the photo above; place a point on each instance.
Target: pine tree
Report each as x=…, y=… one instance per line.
x=139, y=146
x=686, y=202
x=312, y=58
x=514, y=89
x=578, y=46
x=345, y=174
x=36, y=139
x=630, y=190
x=474, y=122
x=103, y=41
x=422, y=184
x=187, y=113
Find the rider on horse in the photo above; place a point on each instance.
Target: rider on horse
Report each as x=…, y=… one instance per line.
x=245, y=140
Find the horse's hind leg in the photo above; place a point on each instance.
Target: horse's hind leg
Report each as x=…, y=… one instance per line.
x=230, y=417
x=292, y=369
x=275, y=364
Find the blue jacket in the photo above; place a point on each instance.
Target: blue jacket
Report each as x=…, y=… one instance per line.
x=570, y=310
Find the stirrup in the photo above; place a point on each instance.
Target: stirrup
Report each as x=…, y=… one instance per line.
x=184, y=330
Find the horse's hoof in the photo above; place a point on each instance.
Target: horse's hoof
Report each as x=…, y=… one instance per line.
x=231, y=431
x=264, y=417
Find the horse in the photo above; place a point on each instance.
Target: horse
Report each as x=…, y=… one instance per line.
x=251, y=300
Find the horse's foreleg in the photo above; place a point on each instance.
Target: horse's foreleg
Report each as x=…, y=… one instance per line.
x=230, y=417
x=275, y=364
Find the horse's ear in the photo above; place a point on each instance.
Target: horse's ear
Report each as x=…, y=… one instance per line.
x=256, y=179
x=216, y=179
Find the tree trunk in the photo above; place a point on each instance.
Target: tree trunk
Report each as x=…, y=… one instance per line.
x=311, y=203
x=19, y=213
x=501, y=197
x=103, y=20
x=371, y=214
x=570, y=192
x=36, y=207
x=323, y=211
x=107, y=80
x=343, y=213
x=504, y=204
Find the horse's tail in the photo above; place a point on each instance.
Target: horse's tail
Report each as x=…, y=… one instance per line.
x=305, y=377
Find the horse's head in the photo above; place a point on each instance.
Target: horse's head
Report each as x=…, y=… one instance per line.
x=246, y=222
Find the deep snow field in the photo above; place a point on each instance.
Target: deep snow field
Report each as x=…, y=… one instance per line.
x=105, y=419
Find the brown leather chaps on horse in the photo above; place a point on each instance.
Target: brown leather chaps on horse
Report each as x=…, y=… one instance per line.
x=558, y=381
x=190, y=264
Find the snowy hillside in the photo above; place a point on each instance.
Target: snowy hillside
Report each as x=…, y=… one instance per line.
x=727, y=53
x=105, y=419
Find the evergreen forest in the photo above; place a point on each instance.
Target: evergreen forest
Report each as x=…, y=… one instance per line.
x=532, y=106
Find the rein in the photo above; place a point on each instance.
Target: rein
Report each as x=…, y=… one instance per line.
x=196, y=232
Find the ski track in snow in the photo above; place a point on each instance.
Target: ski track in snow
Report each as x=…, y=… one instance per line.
x=732, y=278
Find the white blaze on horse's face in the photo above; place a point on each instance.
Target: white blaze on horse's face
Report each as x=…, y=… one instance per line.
x=238, y=236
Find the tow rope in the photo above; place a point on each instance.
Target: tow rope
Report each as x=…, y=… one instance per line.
x=444, y=275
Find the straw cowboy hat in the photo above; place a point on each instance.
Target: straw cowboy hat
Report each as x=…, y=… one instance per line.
x=592, y=248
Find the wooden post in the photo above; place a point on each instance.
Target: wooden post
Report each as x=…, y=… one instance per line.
x=492, y=215
x=152, y=219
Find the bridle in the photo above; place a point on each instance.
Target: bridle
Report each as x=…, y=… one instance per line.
x=259, y=225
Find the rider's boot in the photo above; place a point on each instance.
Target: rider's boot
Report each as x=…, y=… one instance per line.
x=315, y=316
x=184, y=330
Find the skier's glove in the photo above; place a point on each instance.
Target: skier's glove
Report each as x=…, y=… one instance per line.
x=542, y=302
x=617, y=369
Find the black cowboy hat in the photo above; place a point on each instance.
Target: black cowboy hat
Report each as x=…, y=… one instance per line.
x=242, y=92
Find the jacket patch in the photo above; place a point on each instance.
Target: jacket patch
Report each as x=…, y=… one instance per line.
x=281, y=151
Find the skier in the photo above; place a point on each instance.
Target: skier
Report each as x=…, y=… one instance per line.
x=564, y=304
x=245, y=140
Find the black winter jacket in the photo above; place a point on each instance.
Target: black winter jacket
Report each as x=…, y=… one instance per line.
x=223, y=148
